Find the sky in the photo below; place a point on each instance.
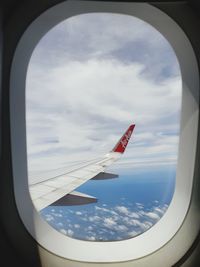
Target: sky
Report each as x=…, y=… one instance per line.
x=126, y=207
x=88, y=79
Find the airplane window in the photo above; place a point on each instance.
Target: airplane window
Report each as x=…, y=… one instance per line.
x=103, y=104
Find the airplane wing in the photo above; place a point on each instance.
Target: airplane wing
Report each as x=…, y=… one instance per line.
x=50, y=191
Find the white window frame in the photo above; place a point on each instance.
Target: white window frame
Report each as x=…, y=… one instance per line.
x=166, y=232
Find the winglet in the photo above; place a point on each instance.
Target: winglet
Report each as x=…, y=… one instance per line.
x=123, y=142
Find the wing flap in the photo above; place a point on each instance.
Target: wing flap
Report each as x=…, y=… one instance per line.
x=105, y=176
x=75, y=198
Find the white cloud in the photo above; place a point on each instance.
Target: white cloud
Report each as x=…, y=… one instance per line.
x=73, y=134
x=57, y=215
x=70, y=232
x=78, y=109
x=153, y=215
x=109, y=222
x=94, y=218
x=125, y=211
x=122, y=210
x=78, y=213
x=91, y=238
x=139, y=205
x=121, y=228
x=133, y=233
x=49, y=218
x=106, y=225
x=134, y=215
x=159, y=210
x=124, y=37
x=63, y=231
x=135, y=222
x=148, y=224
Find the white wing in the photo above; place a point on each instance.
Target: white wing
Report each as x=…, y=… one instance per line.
x=47, y=192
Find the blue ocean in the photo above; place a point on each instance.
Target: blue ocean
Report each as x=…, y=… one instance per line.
x=127, y=206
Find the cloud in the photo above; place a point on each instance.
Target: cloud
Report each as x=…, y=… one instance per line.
x=136, y=223
x=126, y=38
x=49, y=218
x=134, y=215
x=139, y=205
x=70, y=232
x=57, y=214
x=78, y=213
x=121, y=228
x=91, y=238
x=122, y=210
x=101, y=224
x=159, y=210
x=94, y=218
x=153, y=215
x=63, y=231
x=81, y=98
x=87, y=122
x=109, y=222
x=133, y=233
x=125, y=211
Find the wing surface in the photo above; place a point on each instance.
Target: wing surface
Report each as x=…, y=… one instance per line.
x=47, y=192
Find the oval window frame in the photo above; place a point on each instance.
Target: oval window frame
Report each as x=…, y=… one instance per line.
x=123, y=250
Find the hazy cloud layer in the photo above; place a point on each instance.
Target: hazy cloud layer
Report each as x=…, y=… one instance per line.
x=88, y=79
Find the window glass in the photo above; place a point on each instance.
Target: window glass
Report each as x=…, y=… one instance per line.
x=88, y=80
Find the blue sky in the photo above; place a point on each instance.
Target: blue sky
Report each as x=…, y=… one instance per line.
x=89, y=78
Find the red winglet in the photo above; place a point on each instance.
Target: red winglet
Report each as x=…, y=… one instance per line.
x=123, y=142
